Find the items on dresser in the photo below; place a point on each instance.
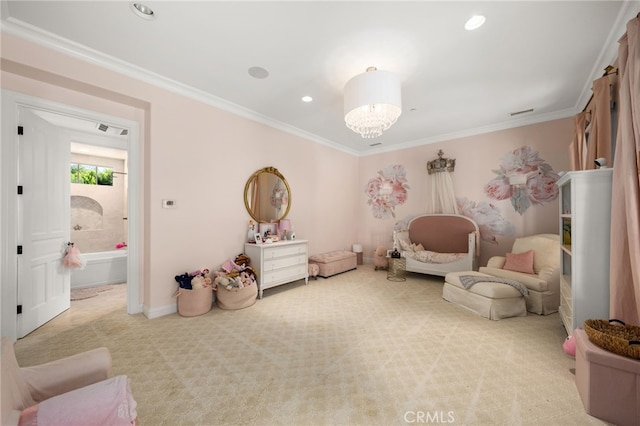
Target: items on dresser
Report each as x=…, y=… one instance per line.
x=279, y=263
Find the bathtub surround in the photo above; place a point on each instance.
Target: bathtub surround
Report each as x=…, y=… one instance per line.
x=102, y=268
x=353, y=349
x=98, y=211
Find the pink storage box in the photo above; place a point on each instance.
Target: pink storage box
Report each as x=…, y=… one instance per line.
x=334, y=262
x=608, y=384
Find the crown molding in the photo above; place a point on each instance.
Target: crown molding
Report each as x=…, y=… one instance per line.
x=67, y=47
x=609, y=53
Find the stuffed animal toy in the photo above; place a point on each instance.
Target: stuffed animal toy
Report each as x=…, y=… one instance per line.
x=184, y=280
x=242, y=260
x=380, y=259
x=569, y=346
x=222, y=281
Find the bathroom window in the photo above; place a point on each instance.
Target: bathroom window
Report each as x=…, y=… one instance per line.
x=91, y=175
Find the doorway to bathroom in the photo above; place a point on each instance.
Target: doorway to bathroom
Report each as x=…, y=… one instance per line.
x=58, y=122
x=98, y=206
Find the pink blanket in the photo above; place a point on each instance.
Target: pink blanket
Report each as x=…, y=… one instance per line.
x=108, y=402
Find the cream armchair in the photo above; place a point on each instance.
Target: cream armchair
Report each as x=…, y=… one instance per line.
x=75, y=390
x=544, y=283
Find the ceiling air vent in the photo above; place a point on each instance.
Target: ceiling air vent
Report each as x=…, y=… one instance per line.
x=111, y=130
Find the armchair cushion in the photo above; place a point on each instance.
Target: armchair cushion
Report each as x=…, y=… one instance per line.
x=543, y=281
x=107, y=402
x=545, y=246
x=63, y=375
x=29, y=394
x=532, y=282
x=520, y=262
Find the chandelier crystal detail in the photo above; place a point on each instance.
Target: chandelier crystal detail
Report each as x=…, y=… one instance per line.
x=372, y=102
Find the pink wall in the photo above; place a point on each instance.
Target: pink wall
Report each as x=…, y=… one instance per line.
x=202, y=156
x=476, y=157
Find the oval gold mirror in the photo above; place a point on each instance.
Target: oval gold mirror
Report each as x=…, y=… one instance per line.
x=267, y=195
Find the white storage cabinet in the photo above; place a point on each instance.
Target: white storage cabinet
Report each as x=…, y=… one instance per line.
x=585, y=221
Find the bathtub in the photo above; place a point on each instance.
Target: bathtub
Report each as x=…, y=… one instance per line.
x=102, y=268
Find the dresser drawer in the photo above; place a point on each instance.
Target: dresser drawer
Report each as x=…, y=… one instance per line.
x=284, y=262
x=284, y=275
x=277, y=252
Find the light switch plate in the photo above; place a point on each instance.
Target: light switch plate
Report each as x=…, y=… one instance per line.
x=168, y=204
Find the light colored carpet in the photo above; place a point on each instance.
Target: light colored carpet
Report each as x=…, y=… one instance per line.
x=354, y=349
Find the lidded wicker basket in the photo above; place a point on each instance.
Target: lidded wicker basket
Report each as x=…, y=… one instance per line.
x=623, y=339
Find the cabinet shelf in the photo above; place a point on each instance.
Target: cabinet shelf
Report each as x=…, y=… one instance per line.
x=584, y=222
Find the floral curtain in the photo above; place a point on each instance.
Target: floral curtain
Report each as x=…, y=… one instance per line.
x=625, y=198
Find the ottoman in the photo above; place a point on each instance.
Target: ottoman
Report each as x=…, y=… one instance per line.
x=334, y=262
x=488, y=299
x=608, y=384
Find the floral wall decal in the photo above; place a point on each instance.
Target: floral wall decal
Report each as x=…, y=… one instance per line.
x=487, y=216
x=537, y=177
x=387, y=190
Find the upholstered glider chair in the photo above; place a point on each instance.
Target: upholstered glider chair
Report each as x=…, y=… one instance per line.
x=535, y=262
x=75, y=390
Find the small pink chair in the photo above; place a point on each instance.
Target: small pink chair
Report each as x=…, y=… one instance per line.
x=75, y=390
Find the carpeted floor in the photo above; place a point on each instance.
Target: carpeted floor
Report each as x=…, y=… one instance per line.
x=354, y=349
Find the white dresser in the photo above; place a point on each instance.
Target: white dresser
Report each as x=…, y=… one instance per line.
x=279, y=263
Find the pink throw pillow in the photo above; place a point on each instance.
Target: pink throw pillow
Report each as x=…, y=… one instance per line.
x=520, y=262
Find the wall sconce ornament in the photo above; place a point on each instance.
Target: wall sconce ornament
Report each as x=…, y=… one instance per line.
x=387, y=190
x=441, y=164
x=524, y=178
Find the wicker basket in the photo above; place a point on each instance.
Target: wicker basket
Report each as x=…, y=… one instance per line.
x=623, y=339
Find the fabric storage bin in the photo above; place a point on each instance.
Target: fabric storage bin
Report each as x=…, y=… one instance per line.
x=194, y=302
x=237, y=298
x=608, y=384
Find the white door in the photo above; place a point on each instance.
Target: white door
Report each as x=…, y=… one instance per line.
x=43, y=222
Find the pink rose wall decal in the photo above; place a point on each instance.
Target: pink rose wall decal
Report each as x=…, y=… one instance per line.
x=387, y=190
x=524, y=178
x=487, y=216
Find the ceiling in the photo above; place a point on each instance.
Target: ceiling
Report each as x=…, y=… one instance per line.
x=528, y=55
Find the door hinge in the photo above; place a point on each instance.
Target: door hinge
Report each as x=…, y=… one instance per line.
x=19, y=189
x=20, y=130
x=20, y=249
x=19, y=310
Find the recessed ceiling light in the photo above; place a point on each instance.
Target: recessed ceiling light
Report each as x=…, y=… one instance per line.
x=474, y=22
x=307, y=99
x=143, y=11
x=258, y=72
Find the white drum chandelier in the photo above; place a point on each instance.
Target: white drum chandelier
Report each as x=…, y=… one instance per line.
x=372, y=102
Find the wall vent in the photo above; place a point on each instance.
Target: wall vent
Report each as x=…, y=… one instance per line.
x=111, y=130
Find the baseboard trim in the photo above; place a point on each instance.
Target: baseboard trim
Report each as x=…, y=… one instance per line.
x=160, y=311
